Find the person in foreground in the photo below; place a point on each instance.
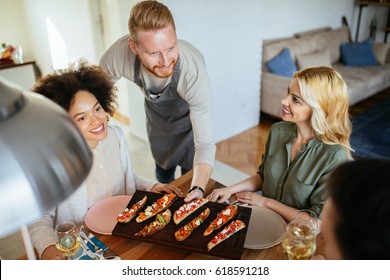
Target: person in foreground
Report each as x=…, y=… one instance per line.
x=172, y=75
x=355, y=220
x=86, y=92
x=303, y=149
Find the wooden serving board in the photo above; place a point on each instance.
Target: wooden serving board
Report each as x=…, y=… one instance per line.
x=230, y=248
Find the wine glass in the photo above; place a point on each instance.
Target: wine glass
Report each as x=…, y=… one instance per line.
x=300, y=238
x=68, y=240
x=309, y=218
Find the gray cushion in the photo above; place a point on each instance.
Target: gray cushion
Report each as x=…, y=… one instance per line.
x=312, y=32
x=319, y=58
x=332, y=41
x=297, y=46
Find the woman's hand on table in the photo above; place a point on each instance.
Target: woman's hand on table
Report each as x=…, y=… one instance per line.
x=51, y=253
x=220, y=195
x=252, y=198
x=167, y=188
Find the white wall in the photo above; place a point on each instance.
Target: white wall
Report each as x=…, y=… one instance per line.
x=72, y=19
x=130, y=98
x=228, y=32
x=22, y=22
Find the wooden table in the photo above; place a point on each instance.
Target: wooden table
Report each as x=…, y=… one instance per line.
x=129, y=249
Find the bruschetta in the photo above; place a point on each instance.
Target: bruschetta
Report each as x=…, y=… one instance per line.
x=162, y=219
x=225, y=215
x=186, y=230
x=187, y=209
x=129, y=213
x=228, y=231
x=158, y=206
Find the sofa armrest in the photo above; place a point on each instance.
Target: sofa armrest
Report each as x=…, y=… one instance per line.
x=381, y=52
x=387, y=60
x=273, y=89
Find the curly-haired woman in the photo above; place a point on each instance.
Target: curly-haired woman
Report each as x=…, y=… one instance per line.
x=89, y=96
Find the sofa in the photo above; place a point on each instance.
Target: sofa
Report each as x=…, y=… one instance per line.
x=365, y=66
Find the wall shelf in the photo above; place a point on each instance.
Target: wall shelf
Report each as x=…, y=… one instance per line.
x=363, y=4
x=23, y=74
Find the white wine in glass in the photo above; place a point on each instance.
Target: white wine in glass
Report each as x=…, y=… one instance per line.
x=299, y=243
x=68, y=241
x=300, y=240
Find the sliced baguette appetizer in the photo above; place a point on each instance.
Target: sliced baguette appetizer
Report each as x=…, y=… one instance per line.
x=158, y=206
x=188, y=208
x=222, y=218
x=186, y=230
x=128, y=214
x=162, y=219
x=228, y=231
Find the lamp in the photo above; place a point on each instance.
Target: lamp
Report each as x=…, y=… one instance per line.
x=43, y=157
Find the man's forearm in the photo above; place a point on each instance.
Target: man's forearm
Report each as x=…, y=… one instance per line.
x=201, y=175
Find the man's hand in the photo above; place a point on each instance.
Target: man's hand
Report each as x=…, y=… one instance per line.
x=167, y=188
x=196, y=193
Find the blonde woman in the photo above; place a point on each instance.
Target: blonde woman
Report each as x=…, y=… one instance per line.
x=303, y=149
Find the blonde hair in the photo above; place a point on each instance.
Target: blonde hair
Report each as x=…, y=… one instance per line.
x=149, y=15
x=325, y=91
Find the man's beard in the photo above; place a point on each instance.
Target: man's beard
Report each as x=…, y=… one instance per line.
x=159, y=73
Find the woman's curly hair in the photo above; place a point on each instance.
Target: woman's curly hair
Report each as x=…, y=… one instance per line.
x=61, y=86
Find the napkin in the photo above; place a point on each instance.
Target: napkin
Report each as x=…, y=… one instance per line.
x=87, y=251
x=84, y=253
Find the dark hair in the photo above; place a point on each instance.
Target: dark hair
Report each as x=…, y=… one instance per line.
x=360, y=192
x=61, y=86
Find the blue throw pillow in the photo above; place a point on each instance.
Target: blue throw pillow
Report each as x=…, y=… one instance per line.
x=282, y=64
x=358, y=54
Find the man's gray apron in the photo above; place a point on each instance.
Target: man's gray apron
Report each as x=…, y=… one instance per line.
x=168, y=123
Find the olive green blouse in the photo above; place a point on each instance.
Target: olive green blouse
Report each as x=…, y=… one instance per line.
x=300, y=184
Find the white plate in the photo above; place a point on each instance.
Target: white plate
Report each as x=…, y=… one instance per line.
x=101, y=217
x=266, y=229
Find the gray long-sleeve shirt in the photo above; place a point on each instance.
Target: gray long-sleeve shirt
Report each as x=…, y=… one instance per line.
x=193, y=86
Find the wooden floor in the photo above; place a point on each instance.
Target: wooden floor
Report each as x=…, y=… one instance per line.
x=244, y=150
